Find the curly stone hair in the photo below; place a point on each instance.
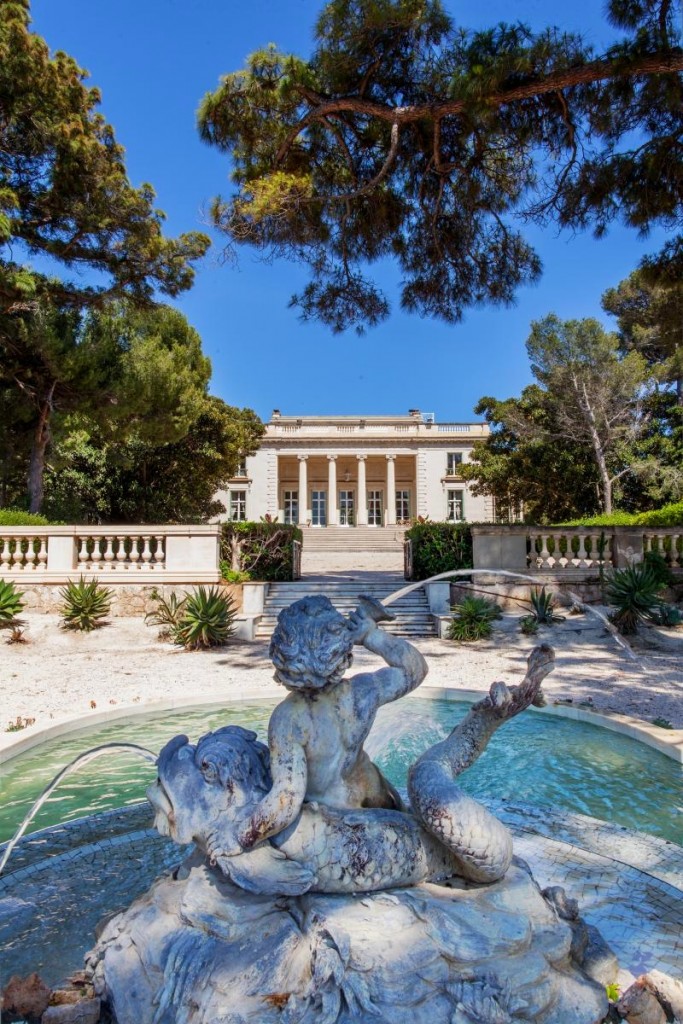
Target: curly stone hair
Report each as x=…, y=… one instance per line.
x=311, y=646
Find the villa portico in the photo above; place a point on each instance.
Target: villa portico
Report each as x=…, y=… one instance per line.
x=349, y=471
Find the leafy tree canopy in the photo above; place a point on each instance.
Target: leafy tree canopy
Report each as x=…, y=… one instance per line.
x=64, y=191
x=131, y=480
x=405, y=137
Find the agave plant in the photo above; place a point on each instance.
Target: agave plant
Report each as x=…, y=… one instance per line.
x=207, y=620
x=11, y=604
x=473, y=619
x=167, y=613
x=529, y=625
x=543, y=605
x=86, y=604
x=633, y=592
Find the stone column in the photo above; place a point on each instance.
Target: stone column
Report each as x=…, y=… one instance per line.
x=331, y=490
x=303, y=490
x=362, y=510
x=390, y=500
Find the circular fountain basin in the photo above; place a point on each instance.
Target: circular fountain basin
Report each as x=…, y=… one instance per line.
x=543, y=774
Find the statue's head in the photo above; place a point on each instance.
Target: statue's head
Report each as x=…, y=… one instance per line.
x=311, y=646
x=201, y=788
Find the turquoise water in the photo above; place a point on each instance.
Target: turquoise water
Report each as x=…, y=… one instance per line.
x=540, y=760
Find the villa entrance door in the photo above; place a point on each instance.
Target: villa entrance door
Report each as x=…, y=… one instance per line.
x=318, y=508
x=346, y=516
x=374, y=508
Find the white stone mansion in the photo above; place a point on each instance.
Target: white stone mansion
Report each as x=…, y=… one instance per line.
x=366, y=471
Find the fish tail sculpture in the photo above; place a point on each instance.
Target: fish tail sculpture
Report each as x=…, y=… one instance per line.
x=479, y=843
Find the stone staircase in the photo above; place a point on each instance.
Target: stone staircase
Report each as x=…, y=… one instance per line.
x=413, y=617
x=345, y=548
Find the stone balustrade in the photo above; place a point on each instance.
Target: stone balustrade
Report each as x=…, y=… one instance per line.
x=572, y=551
x=117, y=554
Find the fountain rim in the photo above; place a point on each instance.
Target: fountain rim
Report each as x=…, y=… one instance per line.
x=666, y=741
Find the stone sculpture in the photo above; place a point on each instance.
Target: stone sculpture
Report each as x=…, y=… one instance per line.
x=310, y=896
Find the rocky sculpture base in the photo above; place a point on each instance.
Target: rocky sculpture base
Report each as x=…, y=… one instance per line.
x=198, y=950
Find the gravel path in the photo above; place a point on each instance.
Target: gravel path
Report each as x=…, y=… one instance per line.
x=61, y=674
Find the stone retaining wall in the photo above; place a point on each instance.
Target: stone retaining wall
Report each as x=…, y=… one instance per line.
x=125, y=600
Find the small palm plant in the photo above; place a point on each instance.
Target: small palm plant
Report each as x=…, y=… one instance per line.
x=472, y=620
x=634, y=593
x=11, y=604
x=167, y=614
x=207, y=620
x=86, y=604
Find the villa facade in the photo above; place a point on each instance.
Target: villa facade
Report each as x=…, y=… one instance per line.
x=366, y=471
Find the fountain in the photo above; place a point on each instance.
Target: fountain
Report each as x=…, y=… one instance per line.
x=316, y=893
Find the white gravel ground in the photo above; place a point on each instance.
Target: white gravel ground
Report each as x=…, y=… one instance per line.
x=61, y=674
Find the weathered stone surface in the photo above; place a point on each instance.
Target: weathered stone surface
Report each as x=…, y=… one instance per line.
x=25, y=997
x=639, y=1006
x=669, y=992
x=197, y=949
x=85, y=1011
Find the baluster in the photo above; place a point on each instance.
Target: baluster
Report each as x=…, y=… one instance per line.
x=31, y=554
x=160, y=554
x=17, y=556
x=146, y=551
x=5, y=563
x=108, y=550
x=134, y=556
x=42, y=553
x=676, y=550
x=83, y=557
x=121, y=550
x=583, y=559
x=544, y=554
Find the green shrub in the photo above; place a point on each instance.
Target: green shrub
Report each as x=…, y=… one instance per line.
x=473, y=619
x=439, y=547
x=11, y=604
x=167, y=613
x=529, y=625
x=207, y=620
x=668, y=515
x=667, y=615
x=657, y=563
x=634, y=592
x=264, y=550
x=233, y=575
x=543, y=605
x=86, y=604
x=17, y=517
x=605, y=519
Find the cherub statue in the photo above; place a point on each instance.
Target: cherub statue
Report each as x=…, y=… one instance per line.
x=316, y=734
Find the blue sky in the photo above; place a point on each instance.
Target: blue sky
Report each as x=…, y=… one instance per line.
x=153, y=61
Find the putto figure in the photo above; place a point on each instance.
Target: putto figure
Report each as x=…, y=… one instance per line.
x=316, y=734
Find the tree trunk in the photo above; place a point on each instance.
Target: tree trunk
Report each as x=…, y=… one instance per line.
x=598, y=448
x=36, y=468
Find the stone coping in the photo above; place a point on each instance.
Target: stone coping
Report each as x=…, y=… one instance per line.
x=666, y=741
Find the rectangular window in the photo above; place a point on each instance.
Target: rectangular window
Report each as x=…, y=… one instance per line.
x=241, y=467
x=319, y=508
x=238, y=506
x=291, y=507
x=374, y=508
x=455, y=506
x=453, y=463
x=402, y=506
x=346, y=516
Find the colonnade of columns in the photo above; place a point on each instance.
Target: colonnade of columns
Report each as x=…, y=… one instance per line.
x=362, y=494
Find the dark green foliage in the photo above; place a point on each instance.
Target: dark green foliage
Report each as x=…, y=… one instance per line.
x=64, y=190
x=667, y=615
x=529, y=625
x=167, y=614
x=263, y=550
x=472, y=619
x=17, y=517
x=406, y=136
x=86, y=604
x=233, y=575
x=543, y=605
x=11, y=604
x=658, y=565
x=668, y=515
x=634, y=593
x=438, y=547
x=207, y=620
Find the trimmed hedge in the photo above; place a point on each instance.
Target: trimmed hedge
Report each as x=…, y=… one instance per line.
x=438, y=547
x=17, y=517
x=668, y=515
x=263, y=550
